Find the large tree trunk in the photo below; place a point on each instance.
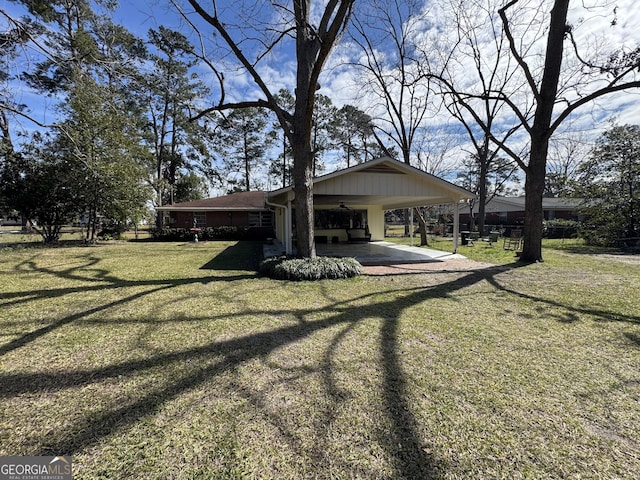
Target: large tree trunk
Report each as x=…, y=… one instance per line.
x=422, y=227
x=482, y=190
x=310, y=58
x=303, y=188
x=303, y=158
x=540, y=133
x=534, y=214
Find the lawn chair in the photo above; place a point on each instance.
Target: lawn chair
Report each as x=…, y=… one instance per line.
x=513, y=241
x=492, y=238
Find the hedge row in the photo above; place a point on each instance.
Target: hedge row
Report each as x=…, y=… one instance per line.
x=561, y=228
x=212, y=233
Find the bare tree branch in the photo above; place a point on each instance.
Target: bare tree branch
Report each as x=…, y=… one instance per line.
x=611, y=88
x=16, y=111
x=514, y=49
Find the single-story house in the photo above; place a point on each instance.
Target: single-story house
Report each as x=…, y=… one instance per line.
x=239, y=209
x=349, y=204
x=510, y=210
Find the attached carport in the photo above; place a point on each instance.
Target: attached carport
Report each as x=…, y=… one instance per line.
x=385, y=253
x=366, y=191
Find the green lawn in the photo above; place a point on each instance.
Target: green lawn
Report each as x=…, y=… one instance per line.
x=173, y=360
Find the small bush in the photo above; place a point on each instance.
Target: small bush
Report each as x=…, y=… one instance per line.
x=297, y=269
x=561, y=228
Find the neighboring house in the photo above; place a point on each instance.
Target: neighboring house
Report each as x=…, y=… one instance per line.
x=510, y=210
x=348, y=204
x=240, y=209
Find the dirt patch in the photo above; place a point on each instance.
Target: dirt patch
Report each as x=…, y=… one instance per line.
x=452, y=265
x=620, y=257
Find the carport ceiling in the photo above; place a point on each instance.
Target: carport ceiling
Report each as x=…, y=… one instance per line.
x=387, y=202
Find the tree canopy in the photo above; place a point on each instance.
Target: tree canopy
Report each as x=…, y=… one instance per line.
x=609, y=181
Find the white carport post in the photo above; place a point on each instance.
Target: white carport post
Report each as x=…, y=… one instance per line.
x=288, y=229
x=456, y=224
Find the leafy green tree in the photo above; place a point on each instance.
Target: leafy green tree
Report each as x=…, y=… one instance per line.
x=243, y=140
x=68, y=41
x=351, y=131
x=39, y=184
x=106, y=152
x=96, y=144
x=610, y=182
x=169, y=92
x=189, y=187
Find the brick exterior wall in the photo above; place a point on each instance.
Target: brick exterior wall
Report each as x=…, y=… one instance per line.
x=213, y=219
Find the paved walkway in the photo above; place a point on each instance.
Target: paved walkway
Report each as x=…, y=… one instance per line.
x=375, y=253
x=384, y=253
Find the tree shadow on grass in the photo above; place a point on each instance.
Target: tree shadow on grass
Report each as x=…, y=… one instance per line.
x=633, y=338
x=401, y=435
x=564, y=313
x=243, y=255
x=99, y=280
x=406, y=445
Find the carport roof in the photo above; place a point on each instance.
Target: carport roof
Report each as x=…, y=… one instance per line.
x=383, y=181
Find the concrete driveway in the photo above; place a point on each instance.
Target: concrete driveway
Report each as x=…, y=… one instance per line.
x=373, y=253
x=384, y=253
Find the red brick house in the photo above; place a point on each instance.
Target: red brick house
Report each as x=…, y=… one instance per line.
x=240, y=209
x=510, y=210
x=347, y=202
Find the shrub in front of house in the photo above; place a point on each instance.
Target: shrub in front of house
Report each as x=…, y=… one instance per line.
x=298, y=269
x=561, y=228
x=167, y=234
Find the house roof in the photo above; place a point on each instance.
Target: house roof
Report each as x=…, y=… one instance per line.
x=244, y=201
x=517, y=204
x=383, y=181
x=548, y=203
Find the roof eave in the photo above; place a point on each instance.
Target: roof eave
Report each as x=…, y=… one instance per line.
x=211, y=209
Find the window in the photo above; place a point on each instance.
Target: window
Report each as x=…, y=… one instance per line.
x=199, y=220
x=260, y=219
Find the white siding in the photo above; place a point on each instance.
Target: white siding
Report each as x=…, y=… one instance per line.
x=363, y=183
